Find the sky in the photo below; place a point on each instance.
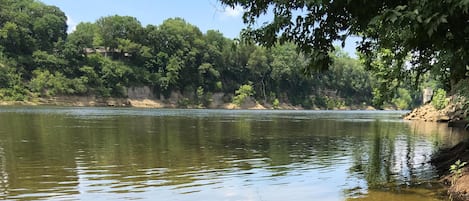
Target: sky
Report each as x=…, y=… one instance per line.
x=205, y=14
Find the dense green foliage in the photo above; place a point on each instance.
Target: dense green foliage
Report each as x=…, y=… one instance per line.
x=411, y=38
x=403, y=99
x=242, y=94
x=39, y=59
x=439, y=100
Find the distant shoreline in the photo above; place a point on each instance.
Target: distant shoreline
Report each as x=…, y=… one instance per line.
x=83, y=101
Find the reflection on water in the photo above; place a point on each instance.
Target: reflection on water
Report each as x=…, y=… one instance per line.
x=122, y=154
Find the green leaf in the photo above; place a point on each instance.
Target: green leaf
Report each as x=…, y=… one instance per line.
x=419, y=19
x=401, y=7
x=443, y=19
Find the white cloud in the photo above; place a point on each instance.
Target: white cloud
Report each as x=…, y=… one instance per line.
x=72, y=25
x=233, y=12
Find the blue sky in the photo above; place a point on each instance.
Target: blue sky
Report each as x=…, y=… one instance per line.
x=205, y=14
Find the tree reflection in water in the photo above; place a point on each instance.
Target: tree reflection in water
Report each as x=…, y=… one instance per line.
x=114, y=154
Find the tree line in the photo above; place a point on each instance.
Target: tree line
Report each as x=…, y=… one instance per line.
x=39, y=59
x=400, y=40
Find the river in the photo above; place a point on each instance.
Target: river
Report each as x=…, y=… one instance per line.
x=54, y=153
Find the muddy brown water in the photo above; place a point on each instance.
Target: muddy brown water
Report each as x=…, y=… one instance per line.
x=52, y=153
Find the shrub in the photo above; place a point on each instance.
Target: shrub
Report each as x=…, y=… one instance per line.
x=183, y=103
x=332, y=103
x=242, y=93
x=200, y=96
x=439, y=100
x=276, y=104
x=319, y=101
x=48, y=84
x=203, y=98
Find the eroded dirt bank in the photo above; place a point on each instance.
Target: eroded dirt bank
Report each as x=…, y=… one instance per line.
x=458, y=184
x=83, y=101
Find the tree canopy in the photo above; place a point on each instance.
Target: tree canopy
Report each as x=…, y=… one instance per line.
x=422, y=35
x=38, y=59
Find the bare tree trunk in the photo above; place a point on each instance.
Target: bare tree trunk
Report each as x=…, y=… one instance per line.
x=263, y=90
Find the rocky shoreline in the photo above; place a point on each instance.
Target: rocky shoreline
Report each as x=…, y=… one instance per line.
x=455, y=113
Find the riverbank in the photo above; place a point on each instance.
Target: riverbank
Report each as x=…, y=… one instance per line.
x=458, y=183
x=455, y=113
x=76, y=101
x=217, y=103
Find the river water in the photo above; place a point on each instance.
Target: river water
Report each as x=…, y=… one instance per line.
x=53, y=153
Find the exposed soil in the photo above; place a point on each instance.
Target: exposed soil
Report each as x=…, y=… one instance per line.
x=84, y=101
x=148, y=103
x=459, y=190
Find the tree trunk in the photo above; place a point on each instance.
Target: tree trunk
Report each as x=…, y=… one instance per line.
x=263, y=90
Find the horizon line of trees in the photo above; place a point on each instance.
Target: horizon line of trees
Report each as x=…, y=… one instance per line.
x=39, y=59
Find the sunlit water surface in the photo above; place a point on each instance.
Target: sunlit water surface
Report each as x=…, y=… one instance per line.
x=150, y=154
